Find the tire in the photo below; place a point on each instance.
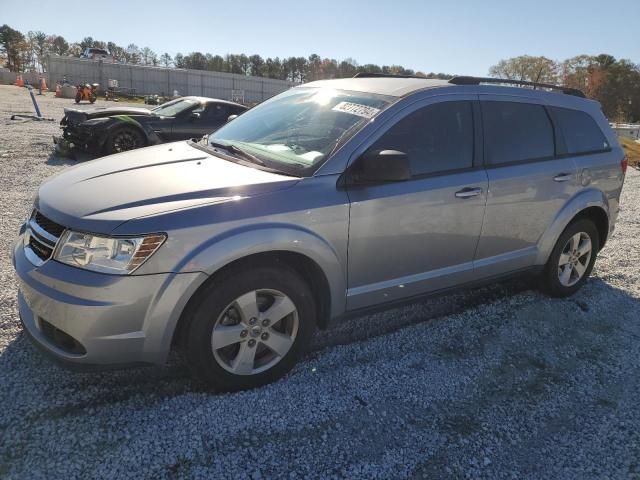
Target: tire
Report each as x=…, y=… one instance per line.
x=92, y=99
x=566, y=271
x=123, y=139
x=221, y=314
x=78, y=97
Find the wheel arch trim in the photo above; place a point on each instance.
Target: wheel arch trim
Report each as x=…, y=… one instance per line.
x=582, y=201
x=123, y=121
x=220, y=251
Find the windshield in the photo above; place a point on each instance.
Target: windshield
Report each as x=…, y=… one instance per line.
x=301, y=127
x=175, y=107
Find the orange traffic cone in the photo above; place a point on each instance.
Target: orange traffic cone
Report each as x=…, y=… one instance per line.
x=19, y=81
x=58, y=90
x=43, y=85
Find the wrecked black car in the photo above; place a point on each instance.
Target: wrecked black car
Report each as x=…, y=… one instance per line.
x=117, y=129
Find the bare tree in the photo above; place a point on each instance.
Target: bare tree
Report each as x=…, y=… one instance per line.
x=526, y=67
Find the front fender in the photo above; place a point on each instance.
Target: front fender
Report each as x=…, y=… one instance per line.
x=581, y=201
x=151, y=137
x=234, y=245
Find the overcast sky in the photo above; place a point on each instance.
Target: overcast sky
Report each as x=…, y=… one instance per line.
x=463, y=37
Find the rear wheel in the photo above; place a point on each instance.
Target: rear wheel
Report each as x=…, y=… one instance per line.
x=123, y=139
x=249, y=328
x=572, y=259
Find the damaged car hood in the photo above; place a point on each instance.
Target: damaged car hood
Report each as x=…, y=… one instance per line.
x=99, y=112
x=102, y=194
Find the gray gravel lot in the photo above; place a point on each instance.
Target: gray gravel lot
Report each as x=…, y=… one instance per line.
x=500, y=382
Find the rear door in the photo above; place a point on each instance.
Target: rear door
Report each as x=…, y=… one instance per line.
x=529, y=181
x=411, y=237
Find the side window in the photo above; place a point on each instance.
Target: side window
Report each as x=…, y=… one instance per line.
x=233, y=110
x=216, y=112
x=436, y=138
x=581, y=132
x=516, y=132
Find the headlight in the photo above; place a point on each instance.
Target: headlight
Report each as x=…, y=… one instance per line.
x=106, y=254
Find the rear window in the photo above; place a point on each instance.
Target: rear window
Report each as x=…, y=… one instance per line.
x=516, y=132
x=581, y=132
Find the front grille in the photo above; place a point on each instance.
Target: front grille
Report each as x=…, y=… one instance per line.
x=61, y=339
x=47, y=225
x=40, y=249
x=41, y=238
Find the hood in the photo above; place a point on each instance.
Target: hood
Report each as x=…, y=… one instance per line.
x=98, y=112
x=102, y=194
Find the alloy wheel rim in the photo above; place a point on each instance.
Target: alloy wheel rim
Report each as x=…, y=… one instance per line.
x=574, y=259
x=125, y=141
x=255, y=332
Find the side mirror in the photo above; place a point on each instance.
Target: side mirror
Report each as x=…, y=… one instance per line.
x=194, y=116
x=231, y=117
x=382, y=166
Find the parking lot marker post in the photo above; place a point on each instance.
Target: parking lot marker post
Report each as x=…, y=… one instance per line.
x=33, y=99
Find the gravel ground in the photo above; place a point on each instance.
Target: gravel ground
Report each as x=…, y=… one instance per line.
x=499, y=382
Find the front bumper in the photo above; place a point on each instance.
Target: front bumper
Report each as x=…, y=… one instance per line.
x=87, y=139
x=92, y=319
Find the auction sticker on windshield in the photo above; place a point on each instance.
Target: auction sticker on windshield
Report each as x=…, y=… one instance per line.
x=356, y=109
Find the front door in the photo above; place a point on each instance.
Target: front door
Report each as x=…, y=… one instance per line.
x=412, y=237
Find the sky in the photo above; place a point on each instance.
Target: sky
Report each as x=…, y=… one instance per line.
x=450, y=36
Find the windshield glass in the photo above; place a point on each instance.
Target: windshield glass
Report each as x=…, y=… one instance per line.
x=175, y=107
x=301, y=127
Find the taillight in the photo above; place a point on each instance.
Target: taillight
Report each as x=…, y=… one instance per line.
x=624, y=164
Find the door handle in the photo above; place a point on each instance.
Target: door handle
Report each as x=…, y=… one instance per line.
x=468, y=192
x=562, y=177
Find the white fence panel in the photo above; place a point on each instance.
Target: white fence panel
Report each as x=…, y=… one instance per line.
x=146, y=80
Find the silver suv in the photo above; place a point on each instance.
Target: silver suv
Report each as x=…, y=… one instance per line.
x=327, y=199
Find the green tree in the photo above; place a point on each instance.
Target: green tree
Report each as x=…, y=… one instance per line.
x=178, y=60
x=195, y=61
x=166, y=60
x=273, y=67
x=132, y=54
x=216, y=63
x=256, y=65
x=40, y=47
x=117, y=52
x=86, y=42
x=58, y=45
x=13, y=45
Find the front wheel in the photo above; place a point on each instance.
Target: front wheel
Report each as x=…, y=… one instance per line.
x=572, y=259
x=123, y=139
x=249, y=328
x=78, y=97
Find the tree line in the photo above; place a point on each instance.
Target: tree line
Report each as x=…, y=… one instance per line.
x=28, y=51
x=615, y=83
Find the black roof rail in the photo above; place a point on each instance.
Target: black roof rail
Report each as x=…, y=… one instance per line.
x=478, y=80
x=383, y=75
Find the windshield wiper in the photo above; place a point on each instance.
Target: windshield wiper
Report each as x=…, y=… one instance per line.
x=229, y=147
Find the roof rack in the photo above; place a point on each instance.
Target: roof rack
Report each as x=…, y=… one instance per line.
x=383, y=75
x=478, y=80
